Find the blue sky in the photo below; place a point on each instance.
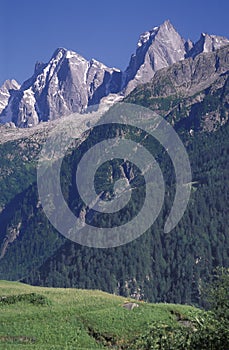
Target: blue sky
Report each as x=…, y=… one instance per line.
x=31, y=30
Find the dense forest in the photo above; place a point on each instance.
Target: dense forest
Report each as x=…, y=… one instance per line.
x=157, y=266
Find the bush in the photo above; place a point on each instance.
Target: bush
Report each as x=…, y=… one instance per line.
x=32, y=298
x=208, y=330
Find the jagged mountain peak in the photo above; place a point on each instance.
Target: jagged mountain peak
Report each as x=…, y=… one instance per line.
x=165, y=27
x=207, y=43
x=11, y=84
x=188, y=45
x=63, y=53
x=59, y=53
x=68, y=83
x=5, y=90
x=156, y=49
x=95, y=63
x=166, y=24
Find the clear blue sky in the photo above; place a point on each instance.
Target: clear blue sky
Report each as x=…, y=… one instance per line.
x=31, y=30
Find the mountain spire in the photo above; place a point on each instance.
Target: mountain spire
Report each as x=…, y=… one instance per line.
x=156, y=49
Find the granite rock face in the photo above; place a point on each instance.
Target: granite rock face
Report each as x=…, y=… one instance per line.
x=156, y=49
x=67, y=84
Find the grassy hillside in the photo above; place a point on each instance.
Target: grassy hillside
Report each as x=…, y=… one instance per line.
x=56, y=318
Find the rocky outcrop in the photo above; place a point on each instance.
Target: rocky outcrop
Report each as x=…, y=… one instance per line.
x=13, y=233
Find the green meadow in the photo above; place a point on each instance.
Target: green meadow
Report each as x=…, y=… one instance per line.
x=56, y=318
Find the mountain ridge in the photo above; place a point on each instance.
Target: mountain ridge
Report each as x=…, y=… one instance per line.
x=69, y=83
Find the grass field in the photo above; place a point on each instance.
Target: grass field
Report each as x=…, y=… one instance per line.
x=54, y=318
